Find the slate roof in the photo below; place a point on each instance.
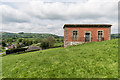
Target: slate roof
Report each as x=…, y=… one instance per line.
x=87, y=25
x=33, y=48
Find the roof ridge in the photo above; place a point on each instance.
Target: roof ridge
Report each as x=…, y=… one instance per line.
x=87, y=25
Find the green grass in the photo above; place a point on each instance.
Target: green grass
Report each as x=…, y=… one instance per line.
x=58, y=44
x=89, y=60
x=3, y=50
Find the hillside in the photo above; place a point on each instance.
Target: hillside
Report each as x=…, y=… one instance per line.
x=26, y=35
x=113, y=36
x=89, y=60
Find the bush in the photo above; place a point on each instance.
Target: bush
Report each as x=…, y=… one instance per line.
x=3, y=44
x=44, y=45
x=15, y=50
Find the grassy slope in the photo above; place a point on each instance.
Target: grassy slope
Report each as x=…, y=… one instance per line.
x=90, y=60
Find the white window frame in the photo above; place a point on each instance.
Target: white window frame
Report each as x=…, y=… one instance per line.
x=102, y=34
x=77, y=34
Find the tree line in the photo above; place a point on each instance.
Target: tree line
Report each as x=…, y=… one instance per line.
x=22, y=42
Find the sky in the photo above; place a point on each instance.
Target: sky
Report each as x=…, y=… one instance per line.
x=49, y=16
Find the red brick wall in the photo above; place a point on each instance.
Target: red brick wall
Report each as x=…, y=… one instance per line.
x=81, y=32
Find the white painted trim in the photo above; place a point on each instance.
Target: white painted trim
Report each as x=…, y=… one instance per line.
x=102, y=33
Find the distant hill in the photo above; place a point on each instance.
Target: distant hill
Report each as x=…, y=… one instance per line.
x=114, y=36
x=27, y=35
x=34, y=35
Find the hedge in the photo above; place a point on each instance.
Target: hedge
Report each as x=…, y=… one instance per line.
x=10, y=51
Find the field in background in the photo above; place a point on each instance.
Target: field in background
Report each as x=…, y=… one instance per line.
x=21, y=40
x=89, y=60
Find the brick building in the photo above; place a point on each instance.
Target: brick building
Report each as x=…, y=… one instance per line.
x=81, y=33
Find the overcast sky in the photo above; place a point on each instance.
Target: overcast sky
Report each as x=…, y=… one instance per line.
x=49, y=16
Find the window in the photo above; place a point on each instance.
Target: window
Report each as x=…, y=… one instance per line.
x=75, y=34
x=100, y=34
x=65, y=34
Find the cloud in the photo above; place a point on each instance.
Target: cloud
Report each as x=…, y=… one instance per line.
x=49, y=16
x=12, y=15
x=58, y=10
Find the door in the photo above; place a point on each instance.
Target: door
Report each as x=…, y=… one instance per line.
x=87, y=37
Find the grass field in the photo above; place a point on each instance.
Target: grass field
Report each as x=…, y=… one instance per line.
x=89, y=60
x=58, y=44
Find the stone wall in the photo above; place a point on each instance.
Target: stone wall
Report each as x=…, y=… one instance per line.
x=68, y=43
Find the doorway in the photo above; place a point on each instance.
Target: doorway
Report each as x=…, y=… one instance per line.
x=87, y=37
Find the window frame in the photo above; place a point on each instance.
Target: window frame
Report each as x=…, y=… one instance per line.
x=102, y=34
x=77, y=35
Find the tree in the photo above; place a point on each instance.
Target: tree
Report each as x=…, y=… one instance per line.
x=27, y=42
x=37, y=40
x=51, y=41
x=21, y=33
x=44, y=44
x=47, y=42
x=18, y=45
x=3, y=44
x=9, y=40
x=20, y=40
